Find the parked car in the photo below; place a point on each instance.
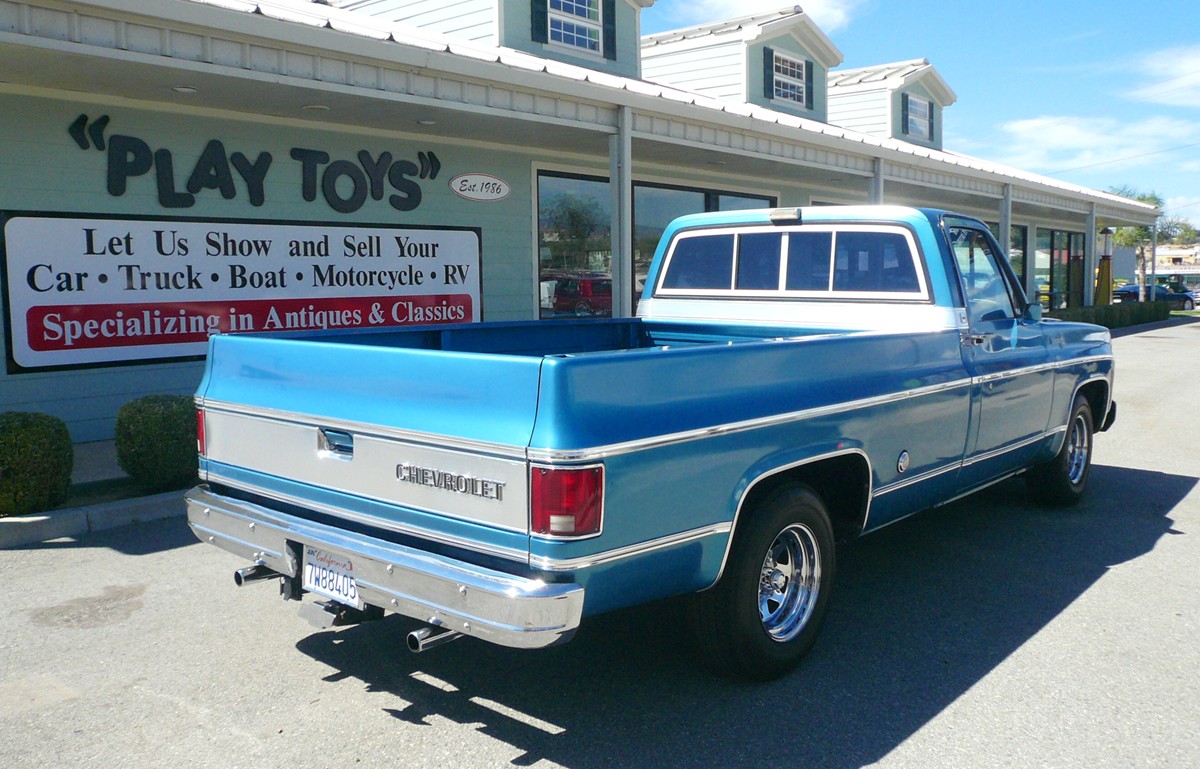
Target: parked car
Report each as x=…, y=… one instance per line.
x=1179, y=300
x=584, y=294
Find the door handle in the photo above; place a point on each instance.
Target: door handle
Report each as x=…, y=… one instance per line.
x=336, y=443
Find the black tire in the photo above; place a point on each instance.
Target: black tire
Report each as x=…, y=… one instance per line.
x=1188, y=304
x=1062, y=481
x=764, y=614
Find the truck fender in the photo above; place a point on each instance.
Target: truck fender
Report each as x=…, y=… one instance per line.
x=823, y=468
x=1097, y=388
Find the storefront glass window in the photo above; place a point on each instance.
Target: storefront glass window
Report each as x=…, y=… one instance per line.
x=574, y=246
x=1041, y=269
x=574, y=236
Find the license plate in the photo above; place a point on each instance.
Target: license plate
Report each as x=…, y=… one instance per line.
x=330, y=575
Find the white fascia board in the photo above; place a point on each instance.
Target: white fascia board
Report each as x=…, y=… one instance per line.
x=938, y=88
x=804, y=30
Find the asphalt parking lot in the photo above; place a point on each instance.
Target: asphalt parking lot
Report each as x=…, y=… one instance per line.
x=991, y=633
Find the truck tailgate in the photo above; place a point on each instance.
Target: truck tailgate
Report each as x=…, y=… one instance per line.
x=394, y=425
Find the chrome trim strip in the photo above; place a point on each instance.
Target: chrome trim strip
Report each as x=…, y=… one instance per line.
x=491, y=605
x=925, y=476
x=1050, y=366
x=658, y=441
x=974, y=489
x=977, y=458
x=471, y=545
x=502, y=450
x=629, y=551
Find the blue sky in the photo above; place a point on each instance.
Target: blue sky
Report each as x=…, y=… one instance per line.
x=1099, y=93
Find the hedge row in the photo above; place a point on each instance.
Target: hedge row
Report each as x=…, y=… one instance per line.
x=156, y=446
x=1116, y=315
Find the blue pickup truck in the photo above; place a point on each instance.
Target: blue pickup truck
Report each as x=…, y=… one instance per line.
x=794, y=377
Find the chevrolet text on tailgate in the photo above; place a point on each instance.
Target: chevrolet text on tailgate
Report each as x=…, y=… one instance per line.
x=794, y=377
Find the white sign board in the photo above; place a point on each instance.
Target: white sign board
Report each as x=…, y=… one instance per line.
x=93, y=291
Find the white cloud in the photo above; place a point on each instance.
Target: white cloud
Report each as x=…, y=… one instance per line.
x=1177, y=75
x=829, y=15
x=1061, y=145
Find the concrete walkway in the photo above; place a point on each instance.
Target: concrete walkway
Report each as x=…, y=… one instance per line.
x=96, y=461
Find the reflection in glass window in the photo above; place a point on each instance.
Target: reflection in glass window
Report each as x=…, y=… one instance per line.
x=808, y=261
x=575, y=23
x=701, y=263
x=758, y=261
x=987, y=293
x=574, y=246
x=873, y=261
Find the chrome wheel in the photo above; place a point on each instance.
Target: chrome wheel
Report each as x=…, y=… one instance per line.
x=1078, y=447
x=789, y=583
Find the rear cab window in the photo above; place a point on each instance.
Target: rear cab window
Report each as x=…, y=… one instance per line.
x=818, y=261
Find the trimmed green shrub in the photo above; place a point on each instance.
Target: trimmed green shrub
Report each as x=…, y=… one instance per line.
x=156, y=441
x=36, y=458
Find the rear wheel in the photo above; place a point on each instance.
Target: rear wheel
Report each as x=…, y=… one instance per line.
x=1062, y=480
x=1188, y=304
x=764, y=615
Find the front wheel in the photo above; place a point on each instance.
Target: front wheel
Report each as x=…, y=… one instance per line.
x=764, y=615
x=1061, y=481
x=1188, y=304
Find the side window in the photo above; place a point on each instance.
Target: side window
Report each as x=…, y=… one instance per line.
x=758, y=261
x=987, y=293
x=704, y=262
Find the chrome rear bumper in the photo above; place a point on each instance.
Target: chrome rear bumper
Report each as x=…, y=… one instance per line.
x=501, y=608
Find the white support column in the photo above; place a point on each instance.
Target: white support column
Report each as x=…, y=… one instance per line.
x=1006, y=222
x=1089, y=259
x=620, y=158
x=877, y=182
x=1153, y=256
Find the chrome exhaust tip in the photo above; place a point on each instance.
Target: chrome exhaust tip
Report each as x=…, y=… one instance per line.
x=253, y=574
x=426, y=638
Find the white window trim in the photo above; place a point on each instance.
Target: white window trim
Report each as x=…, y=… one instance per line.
x=799, y=65
x=921, y=295
x=579, y=21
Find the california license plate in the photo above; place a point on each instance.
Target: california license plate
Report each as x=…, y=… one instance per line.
x=330, y=575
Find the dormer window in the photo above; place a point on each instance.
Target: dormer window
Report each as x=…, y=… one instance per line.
x=788, y=79
x=576, y=23
x=917, y=120
x=580, y=26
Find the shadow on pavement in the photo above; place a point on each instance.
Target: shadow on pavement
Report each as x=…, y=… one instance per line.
x=134, y=539
x=923, y=611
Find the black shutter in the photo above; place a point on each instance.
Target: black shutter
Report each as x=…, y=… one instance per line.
x=903, y=113
x=608, y=9
x=769, y=73
x=539, y=27
x=808, y=84
x=932, y=112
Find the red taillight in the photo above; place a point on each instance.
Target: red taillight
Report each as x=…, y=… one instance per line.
x=566, y=502
x=201, y=448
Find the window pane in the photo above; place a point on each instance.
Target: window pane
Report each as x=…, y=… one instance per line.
x=873, y=261
x=575, y=35
x=653, y=210
x=808, y=261
x=988, y=298
x=758, y=261
x=584, y=9
x=789, y=79
x=574, y=246
x=743, y=202
x=704, y=262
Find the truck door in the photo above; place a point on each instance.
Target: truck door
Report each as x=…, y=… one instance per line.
x=1005, y=353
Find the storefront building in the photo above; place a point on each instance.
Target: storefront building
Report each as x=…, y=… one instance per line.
x=174, y=169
